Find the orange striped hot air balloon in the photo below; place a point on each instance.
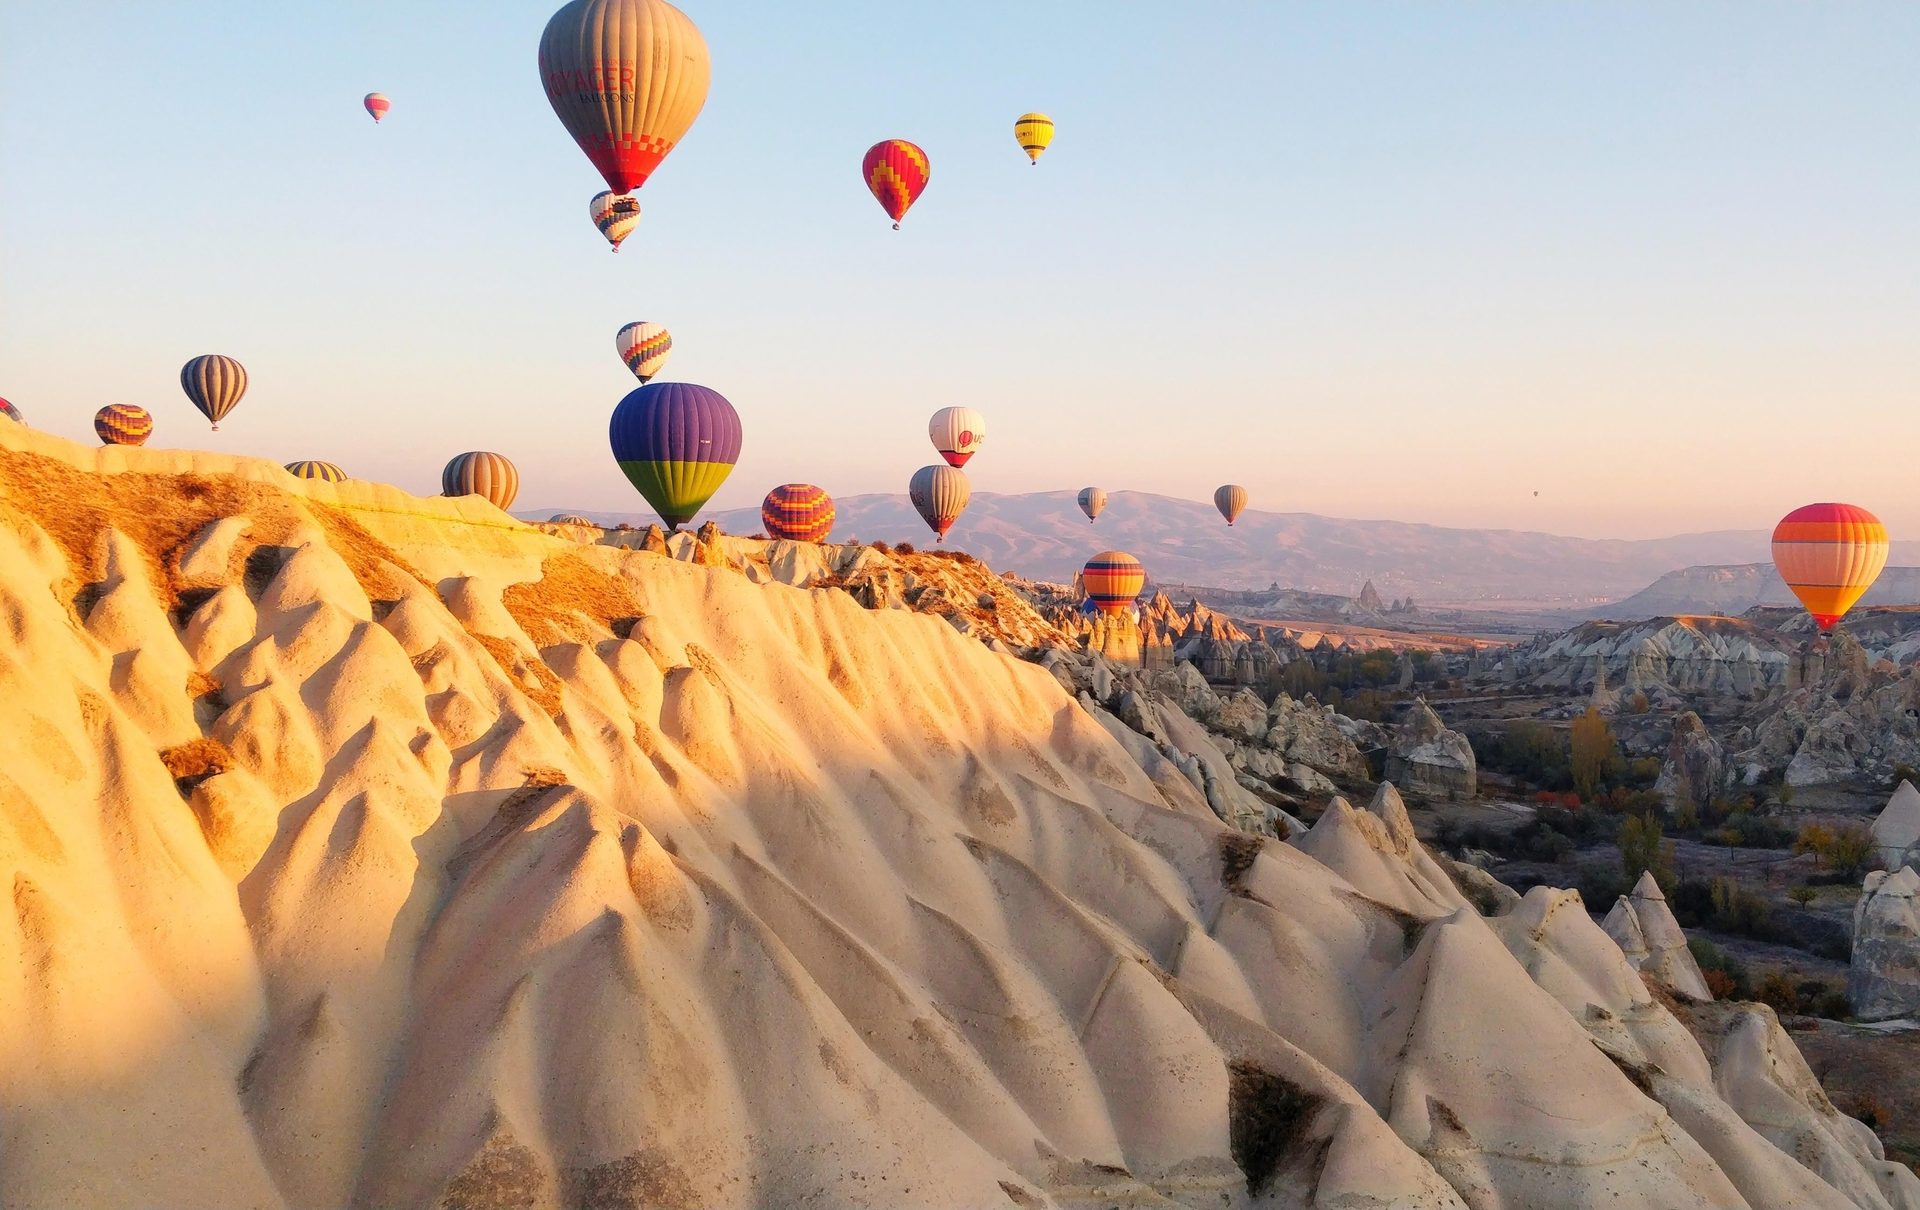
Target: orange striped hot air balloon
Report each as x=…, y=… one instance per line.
x=797, y=512
x=123, y=424
x=1829, y=554
x=1113, y=579
x=896, y=172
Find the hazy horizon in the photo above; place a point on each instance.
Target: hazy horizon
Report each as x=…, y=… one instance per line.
x=1392, y=261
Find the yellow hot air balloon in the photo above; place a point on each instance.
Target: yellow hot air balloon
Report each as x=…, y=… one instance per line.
x=1034, y=131
x=1829, y=555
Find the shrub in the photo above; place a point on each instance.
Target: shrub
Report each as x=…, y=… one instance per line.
x=904, y=548
x=1594, y=753
x=1872, y=1113
x=1777, y=992
x=1741, y=912
x=880, y=546
x=1644, y=770
x=1713, y=961
x=1803, y=895
x=1719, y=984
x=1600, y=883
x=1644, y=849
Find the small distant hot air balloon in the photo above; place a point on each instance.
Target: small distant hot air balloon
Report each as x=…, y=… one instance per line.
x=1113, y=578
x=1230, y=498
x=939, y=494
x=677, y=444
x=615, y=214
x=797, y=512
x=309, y=468
x=957, y=433
x=377, y=105
x=214, y=384
x=1033, y=131
x=480, y=473
x=626, y=78
x=1829, y=555
x=570, y=519
x=10, y=412
x=123, y=424
x=644, y=347
x=1092, y=501
x=896, y=172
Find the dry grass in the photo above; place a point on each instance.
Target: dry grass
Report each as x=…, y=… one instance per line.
x=532, y=677
x=195, y=761
x=572, y=601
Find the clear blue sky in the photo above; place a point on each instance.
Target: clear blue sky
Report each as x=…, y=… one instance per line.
x=1659, y=261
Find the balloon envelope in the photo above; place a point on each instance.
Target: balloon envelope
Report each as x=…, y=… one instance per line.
x=957, y=433
x=677, y=444
x=1093, y=501
x=896, y=172
x=615, y=214
x=644, y=347
x=797, y=512
x=939, y=494
x=377, y=105
x=479, y=473
x=1113, y=578
x=1033, y=131
x=1829, y=555
x=308, y=468
x=214, y=384
x=1230, y=498
x=626, y=78
x=10, y=412
x=123, y=424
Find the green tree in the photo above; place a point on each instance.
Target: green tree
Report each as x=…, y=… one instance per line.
x=1644, y=849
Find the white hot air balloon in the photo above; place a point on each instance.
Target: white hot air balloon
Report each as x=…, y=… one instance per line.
x=957, y=433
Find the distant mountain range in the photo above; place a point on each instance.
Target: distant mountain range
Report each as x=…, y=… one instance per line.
x=1044, y=535
x=1735, y=589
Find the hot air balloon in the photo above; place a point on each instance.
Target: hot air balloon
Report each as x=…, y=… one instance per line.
x=1092, y=501
x=626, y=78
x=615, y=214
x=1230, y=498
x=480, y=473
x=896, y=172
x=1113, y=578
x=570, y=519
x=1829, y=555
x=123, y=424
x=214, y=384
x=1033, y=131
x=308, y=468
x=644, y=347
x=797, y=512
x=677, y=444
x=939, y=495
x=957, y=433
x=10, y=412
x=377, y=105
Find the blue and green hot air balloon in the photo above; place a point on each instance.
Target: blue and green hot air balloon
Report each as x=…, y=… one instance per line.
x=677, y=443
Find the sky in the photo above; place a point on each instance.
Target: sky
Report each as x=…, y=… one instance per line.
x=1659, y=263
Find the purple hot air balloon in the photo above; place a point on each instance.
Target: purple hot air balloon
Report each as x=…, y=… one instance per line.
x=677, y=443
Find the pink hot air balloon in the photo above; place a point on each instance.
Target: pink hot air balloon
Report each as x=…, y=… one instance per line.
x=377, y=105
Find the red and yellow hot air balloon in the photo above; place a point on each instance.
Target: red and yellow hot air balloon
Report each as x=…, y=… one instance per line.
x=377, y=105
x=896, y=172
x=1113, y=580
x=1829, y=555
x=123, y=424
x=626, y=78
x=797, y=512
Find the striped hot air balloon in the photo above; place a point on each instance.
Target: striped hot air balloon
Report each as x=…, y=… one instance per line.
x=1230, y=498
x=479, y=473
x=1093, y=501
x=626, y=78
x=957, y=433
x=570, y=519
x=377, y=105
x=1113, y=579
x=615, y=214
x=677, y=443
x=896, y=172
x=644, y=347
x=214, y=384
x=1829, y=555
x=797, y=512
x=939, y=494
x=309, y=468
x=1033, y=131
x=123, y=424
x=10, y=412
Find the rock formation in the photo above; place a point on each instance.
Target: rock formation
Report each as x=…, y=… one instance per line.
x=1896, y=830
x=1884, y=982
x=1653, y=941
x=1429, y=759
x=1695, y=766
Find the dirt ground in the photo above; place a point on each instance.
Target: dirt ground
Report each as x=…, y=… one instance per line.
x=1872, y=1074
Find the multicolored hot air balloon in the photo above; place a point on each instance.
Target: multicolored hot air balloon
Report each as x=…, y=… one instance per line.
x=677, y=444
x=797, y=512
x=570, y=519
x=377, y=105
x=1093, y=501
x=939, y=494
x=615, y=214
x=309, y=468
x=214, y=384
x=626, y=78
x=10, y=412
x=1230, y=498
x=644, y=347
x=957, y=433
x=896, y=172
x=1113, y=579
x=480, y=473
x=123, y=424
x=1829, y=555
x=1033, y=132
